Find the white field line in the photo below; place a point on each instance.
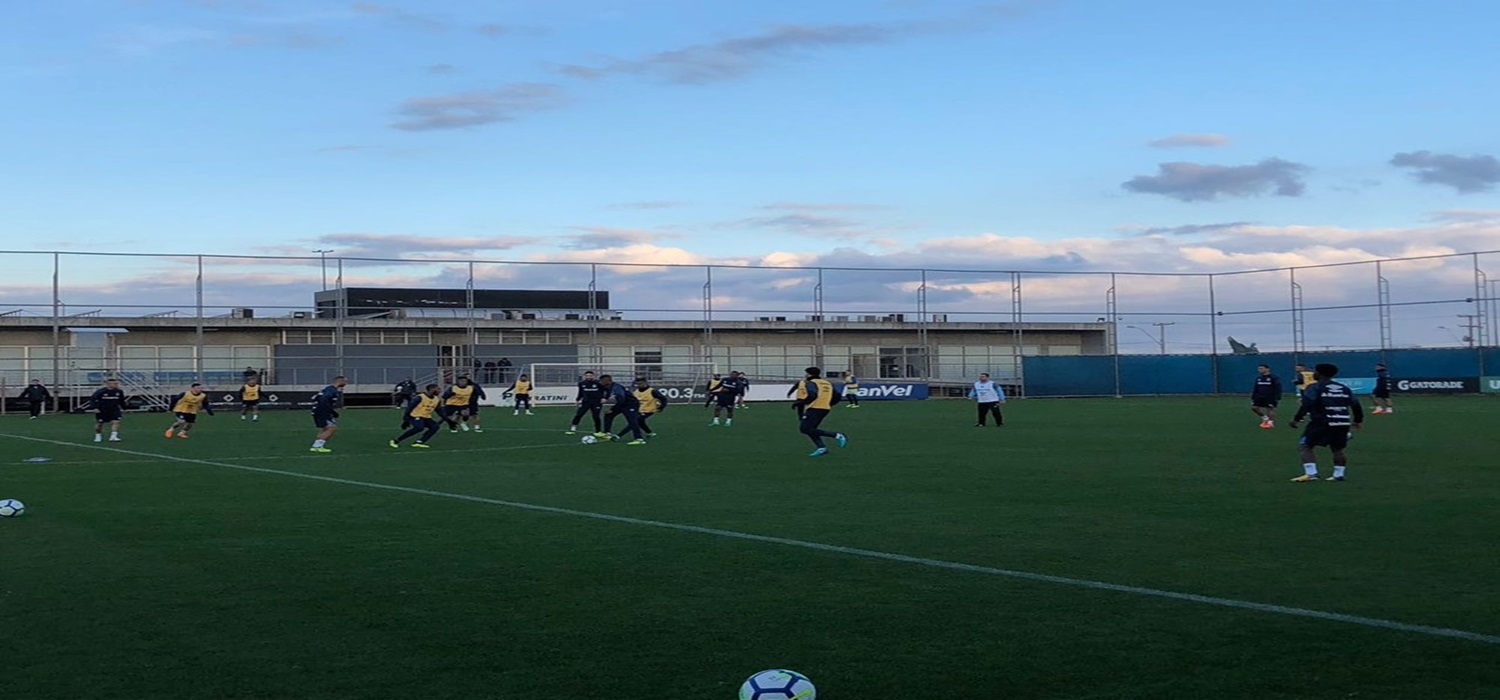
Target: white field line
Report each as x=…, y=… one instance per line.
x=405, y=450
x=1377, y=623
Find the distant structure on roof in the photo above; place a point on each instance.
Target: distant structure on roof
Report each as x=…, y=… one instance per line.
x=1239, y=348
x=494, y=304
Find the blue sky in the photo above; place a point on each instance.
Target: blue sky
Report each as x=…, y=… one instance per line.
x=883, y=132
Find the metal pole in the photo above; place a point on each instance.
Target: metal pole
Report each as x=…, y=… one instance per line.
x=342, y=311
x=56, y=327
x=922, y=327
x=594, y=352
x=323, y=263
x=819, y=322
x=708, y=313
x=469, y=327
x=198, y=334
x=1017, y=336
x=1112, y=308
x=1213, y=331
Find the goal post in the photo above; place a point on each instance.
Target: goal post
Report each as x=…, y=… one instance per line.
x=555, y=383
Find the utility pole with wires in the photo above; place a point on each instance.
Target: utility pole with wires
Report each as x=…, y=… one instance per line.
x=1470, y=326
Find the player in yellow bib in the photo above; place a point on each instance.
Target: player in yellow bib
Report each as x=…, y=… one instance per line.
x=422, y=416
x=851, y=390
x=250, y=400
x=815, y=398
x=456, y=401
x=521, y=389
x=186, y=407
x=652, y=403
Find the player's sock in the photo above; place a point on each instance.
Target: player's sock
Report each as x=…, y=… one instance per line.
x=98, y=437
x=255, y=418
x=728, y=422
x=319, y=443
x=1338, y=472
x=242, y=416
x=1310, y=468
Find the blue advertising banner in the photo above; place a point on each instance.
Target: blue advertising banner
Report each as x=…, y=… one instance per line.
x=887, y=391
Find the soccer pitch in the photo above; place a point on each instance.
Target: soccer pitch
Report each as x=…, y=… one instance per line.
x=519, y=563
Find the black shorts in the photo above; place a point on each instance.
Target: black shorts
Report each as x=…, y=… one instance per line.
x=812, y=418
x=448, y=410
x=726, y=400
x=250, y=403
x=1263, y=402
x=1381, y=393
x=188, y=417
x=473, y=409
x=324, y=420
x=1334, y=438
x=108, y=416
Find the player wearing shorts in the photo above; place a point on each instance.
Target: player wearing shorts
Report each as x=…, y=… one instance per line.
x=1265, y=396
x=421, y=416
x=250, y=399
x=817, y=397
x=623, y=404
x=186, y=406
x=1382, y=392
x=590, y=402
x=456, y=402
x=109, y=407
x=325, y=413
x=521, y=388
x=1331, y=412
x=474, y=400
x=851, y=390
x=652, y=402
x=725, y=395
x=712, y=390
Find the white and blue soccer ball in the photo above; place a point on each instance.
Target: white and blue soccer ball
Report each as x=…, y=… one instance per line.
x=589, y=439
x=10, y=508
x=778, y=684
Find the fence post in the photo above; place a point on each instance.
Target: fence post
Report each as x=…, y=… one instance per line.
x=594, y=355
x=819, y=328
x=708, y=313
x=1213, y=332
x=342, y=310
x=56, y=328
x=1112, y=307
x=1017, y=335
x=922, y=327
x=198, y=331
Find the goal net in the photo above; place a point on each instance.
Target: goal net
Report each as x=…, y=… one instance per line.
x=557, y=382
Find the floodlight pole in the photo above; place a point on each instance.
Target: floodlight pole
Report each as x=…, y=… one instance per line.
x=323, y=263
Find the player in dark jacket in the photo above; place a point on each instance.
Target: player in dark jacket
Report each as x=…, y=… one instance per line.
x=1265, y=396
x=36, y=396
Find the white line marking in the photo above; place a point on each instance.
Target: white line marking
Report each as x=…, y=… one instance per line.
x=839, y=549
x=433, y=452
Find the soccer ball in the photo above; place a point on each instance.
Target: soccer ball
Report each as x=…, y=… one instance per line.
x=778, y=684
x=589, y=439
x=10, y=508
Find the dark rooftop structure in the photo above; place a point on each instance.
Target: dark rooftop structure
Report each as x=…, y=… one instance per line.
x=516, y=304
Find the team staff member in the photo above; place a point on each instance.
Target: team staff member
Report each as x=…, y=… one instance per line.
x=186, y=406
x=109, y=407
x=521, y=388
x=988, y=396
x=816, y=397
x=1265, y=396
x=624, y=404
x=652, y=402
x=36, y=396
x=421, y=413
x=590, y=402
x=325, y=413
x=250, y=399
x=455, y=406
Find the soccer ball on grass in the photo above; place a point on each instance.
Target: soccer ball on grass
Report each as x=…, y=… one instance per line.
x=10, y=508
x=778, y=684
x=589, y=439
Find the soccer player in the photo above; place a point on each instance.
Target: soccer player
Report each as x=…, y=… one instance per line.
x=743, y=383
x=988, y=396
x=1382, y=392
x=623, y=403
x=521, y=388
x=403, y=393
x=456, y=400
x=712, y=389
x=250, y=399
x=1332, y=412
x=652, y=402
x=420, y=416
x=817, y=397
x=474, y=400
x=186, y=406
x=325, y=413
x=36, y=396
x=1265, y=396
x=1304, y=378
x=590, y=402
x=851, y=390
x=724, y=396
x=109, y=407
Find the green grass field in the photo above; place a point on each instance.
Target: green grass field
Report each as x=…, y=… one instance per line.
x=137, y=576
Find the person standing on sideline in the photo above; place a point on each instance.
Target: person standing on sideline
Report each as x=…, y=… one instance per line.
x=1265, y=396
x=851, y=390
x=325, y=413
x=817, y=398
x=1382, y=392
x=1332, y=412
x=521, y=389
x=36, y=396
x=989, y=396
x=590, y=402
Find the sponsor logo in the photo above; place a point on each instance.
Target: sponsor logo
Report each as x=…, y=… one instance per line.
x=892, y=392
x=1438, y=385
x=1489, y=385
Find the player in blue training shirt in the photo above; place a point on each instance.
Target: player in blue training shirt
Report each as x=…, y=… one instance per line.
x=1332, y=411
x=590, y=402
x=325, y=413
x=109, y=407
x=725, y=396
x=1265, y=396
x=625, y=405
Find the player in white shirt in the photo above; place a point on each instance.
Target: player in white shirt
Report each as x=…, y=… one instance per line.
x=989, y=396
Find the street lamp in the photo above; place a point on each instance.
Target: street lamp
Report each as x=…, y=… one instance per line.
x=1160, y=336
x=323, y=260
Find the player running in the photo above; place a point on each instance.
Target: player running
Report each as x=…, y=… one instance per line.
x=624, y=404
x=652, y=402
x=455, y=409
x=724, y=397
x=1382, y=392
x=521, y=388
x=851, y=390
x=1265, y=396
x=325, y=413
x=816, y=397
x=590, y=402
x=420, y=415
x=186, y=406
x=109, y=407
x=250, y=399
x=1332, y=412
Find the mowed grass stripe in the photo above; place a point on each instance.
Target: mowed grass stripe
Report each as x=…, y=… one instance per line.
x=1393, y=625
